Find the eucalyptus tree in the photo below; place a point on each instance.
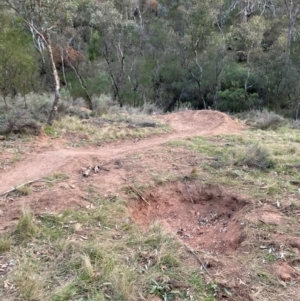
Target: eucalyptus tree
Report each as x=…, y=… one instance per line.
x=117, y=41
x=18, y=64
x=45, y=18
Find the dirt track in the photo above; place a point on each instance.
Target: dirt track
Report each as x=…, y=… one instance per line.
x=185, y=124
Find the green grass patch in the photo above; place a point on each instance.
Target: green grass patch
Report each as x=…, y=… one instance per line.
x=257, y=162
x=107, y=258
x=5, y=243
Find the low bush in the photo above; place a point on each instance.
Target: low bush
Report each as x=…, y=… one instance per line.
x=253, y=155
x=18, y=121
x=263, y=119
x=101, y=104
x=294, y=124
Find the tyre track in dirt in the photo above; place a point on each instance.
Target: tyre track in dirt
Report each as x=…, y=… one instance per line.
x=185, y=124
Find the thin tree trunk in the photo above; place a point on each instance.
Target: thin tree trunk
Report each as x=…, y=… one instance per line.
x=114, y=82
x=83, y=86
x=298, y=110
x=56, y=85
x=293, y=12
x=6, y=107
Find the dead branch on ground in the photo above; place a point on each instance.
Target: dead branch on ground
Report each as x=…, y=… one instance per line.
x=137, y=193
x=198, y=259
x=188, y=191
x=23, y=184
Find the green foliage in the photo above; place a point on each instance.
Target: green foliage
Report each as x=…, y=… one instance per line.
x=18, y=63
x=95, y=85
x=236, y=100
x=94, y=49
x=186, y=52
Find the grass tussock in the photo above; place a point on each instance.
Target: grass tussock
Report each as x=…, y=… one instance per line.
x=253, y=155
x=5, y=244
x=23, y=190
x=26, y=227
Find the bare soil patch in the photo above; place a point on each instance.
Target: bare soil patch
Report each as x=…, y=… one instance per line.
x=54, y=155
x=205, y=217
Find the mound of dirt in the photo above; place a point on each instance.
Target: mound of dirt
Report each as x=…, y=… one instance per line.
x=203, y=122
x=207, y=218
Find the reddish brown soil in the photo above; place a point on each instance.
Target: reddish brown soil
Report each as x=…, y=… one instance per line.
x=50, y=156
x=185, y=124
x=206, y=218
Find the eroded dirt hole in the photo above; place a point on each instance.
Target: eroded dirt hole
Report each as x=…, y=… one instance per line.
x=206, y=217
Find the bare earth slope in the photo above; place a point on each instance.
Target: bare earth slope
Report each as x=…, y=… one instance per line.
x=185, y=124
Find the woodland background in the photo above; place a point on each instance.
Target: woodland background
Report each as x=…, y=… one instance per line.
x=230, y=55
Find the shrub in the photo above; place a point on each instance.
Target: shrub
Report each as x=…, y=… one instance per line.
x=263, y=119
x=294, y=124
x=253, y=155
x=101, y=104
x=150, y=108
x=18, y=121
x=236, y=100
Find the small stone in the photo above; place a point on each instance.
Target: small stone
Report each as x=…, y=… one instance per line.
x=285, y=277
x=2, y=138
x=77, y=227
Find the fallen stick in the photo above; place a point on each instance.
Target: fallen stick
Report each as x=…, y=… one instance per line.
x=187, y=188
x=103, y=168
x=136, y=192
x=26, y=183
x=198, y=259
x=99, y=167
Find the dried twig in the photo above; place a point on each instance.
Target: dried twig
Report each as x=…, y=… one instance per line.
x=26, y=183
x=187, y=188
x=136, y=192
x=103, y=168
x=198, y=259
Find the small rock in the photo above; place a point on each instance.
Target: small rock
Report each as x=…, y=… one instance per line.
x=72, y=186
x=285, y=272
x=2, y=138
x=285, y=277
x=86, y=172
x=1, y=212
x=77, y=227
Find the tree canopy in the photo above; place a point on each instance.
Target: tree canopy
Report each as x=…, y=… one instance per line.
x=229, y=55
